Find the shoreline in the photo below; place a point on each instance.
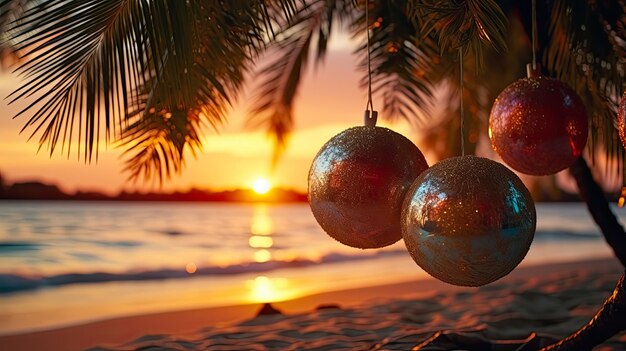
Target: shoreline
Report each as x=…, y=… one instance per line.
x=188, y=323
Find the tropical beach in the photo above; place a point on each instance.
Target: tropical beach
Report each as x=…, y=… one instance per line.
x=568, y=273
x=312, y=175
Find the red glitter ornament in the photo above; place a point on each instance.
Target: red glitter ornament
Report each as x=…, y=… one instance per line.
x=357, y=183
x=538, y=125
x=621, y=119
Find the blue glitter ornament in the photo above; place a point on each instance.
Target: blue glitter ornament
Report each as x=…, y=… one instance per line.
x=468, y=221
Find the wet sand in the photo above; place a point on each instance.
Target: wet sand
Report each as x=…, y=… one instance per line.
x=550, y=299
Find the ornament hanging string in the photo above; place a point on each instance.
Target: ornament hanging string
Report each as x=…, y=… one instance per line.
x=533, y=69
x=371, y=115
x=534, y=33
x=462, y=110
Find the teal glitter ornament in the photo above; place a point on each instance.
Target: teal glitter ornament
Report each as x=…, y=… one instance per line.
x=468, y=221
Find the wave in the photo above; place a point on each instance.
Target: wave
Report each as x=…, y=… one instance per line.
x=6, y=246
x=559, y=235
x=10, y=283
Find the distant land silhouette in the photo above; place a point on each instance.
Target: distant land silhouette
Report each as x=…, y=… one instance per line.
x=35, y=190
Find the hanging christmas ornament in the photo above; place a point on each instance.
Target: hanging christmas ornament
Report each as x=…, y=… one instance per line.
x=468, y=221
x=538, y=125
x=621, y=119
x=359, y=178
x=357, y=183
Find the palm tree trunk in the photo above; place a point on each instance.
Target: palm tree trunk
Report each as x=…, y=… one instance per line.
x=598, y=206
x=611, y=318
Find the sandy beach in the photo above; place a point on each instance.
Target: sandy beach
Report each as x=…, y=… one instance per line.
x=551, y=299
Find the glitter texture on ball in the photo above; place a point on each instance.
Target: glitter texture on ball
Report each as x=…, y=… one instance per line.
x=357, y=183
x=538, y=125
x=468, y=221
x=621, y=119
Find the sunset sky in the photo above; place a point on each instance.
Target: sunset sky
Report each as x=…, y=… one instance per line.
x=329, y=101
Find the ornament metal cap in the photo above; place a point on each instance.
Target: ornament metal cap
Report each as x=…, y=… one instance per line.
x=370, y=118
x=533, y=72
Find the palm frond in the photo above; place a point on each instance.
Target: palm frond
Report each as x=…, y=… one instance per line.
x=402, y=60
x=194, y=88
x=468, y=24
x=587, y=50
x=308, y=31
x=10, y=11
x=156, y=143
x=83, y=69
x=92, y=69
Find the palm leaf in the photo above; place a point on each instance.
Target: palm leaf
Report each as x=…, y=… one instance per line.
x=309, y=30
x=94, y=69
x=157, y=143
x=80, y=69
x=10, y=11
x=469, y=24
x=194, y=88
x=586, y=50
x=402, y=60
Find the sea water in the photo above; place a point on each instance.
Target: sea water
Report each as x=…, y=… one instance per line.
x=69, y=262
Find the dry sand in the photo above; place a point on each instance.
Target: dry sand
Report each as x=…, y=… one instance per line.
x=552, y=300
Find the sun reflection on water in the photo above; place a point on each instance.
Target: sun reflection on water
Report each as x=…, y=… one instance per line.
x=263, y=242
x=264, y=289
x=262, y=256
x=261, y=229
x=262, y=224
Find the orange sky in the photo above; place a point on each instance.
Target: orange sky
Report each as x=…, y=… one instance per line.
x=329, y=101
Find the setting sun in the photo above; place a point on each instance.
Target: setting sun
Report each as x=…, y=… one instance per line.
x=261, y=186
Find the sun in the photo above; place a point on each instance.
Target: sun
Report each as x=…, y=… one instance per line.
x=261, y=186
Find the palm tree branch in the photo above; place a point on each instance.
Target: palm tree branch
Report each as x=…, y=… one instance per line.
x=587, y=51
x=281, y=77
x=193, y=88
x=54, y=35
x=401, y=61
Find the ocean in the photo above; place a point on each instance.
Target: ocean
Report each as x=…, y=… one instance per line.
x=64, y=263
